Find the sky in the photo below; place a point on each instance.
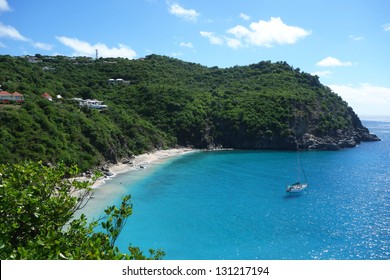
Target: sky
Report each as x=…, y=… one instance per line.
x=344, y=42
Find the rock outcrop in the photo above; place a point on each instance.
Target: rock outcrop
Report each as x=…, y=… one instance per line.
x=348, y=137
x=343, y=140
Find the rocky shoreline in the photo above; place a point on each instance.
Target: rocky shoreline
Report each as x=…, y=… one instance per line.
x=339, y=141
x=304, y=134
x=308, y=141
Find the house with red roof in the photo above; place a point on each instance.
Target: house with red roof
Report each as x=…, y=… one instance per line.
x=47, y=96
x=7, y=97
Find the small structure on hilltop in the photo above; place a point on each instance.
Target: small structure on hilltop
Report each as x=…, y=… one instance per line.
x=33, y=59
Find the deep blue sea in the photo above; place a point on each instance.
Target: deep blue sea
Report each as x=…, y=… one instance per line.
x=233, y=205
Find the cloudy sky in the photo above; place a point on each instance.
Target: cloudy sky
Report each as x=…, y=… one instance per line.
x=345, y=42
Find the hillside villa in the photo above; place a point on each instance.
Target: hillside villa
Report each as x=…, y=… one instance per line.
x=7, y=97
x=90, y=103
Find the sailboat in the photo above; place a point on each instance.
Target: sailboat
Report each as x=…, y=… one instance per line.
x=298, y=186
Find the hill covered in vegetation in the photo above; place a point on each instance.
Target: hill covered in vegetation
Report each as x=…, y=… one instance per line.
x=160, y=102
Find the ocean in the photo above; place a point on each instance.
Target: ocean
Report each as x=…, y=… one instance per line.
x=234, y=205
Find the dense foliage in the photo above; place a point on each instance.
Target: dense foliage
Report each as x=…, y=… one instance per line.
x=161, y=102
x=36, y=211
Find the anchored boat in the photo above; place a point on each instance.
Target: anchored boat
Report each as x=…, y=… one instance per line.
x=298, y=187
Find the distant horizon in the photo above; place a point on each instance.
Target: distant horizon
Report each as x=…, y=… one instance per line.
x=379, y=118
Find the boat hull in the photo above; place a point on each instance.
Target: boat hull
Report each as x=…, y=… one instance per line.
x=296, y=188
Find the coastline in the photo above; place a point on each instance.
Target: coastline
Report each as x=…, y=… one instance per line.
x=138, y=162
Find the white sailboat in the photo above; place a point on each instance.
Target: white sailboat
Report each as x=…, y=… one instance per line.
x=298, y=186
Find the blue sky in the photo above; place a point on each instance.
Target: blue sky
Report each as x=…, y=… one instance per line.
x=345, y=42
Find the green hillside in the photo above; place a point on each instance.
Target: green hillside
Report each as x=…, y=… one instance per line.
x=160, y=102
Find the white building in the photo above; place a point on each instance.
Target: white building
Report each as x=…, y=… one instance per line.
x=91, y=103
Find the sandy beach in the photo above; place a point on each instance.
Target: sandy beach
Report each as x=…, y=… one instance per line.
x=138, y=162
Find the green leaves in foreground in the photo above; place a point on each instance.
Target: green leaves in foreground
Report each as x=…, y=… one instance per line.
x=37, y=204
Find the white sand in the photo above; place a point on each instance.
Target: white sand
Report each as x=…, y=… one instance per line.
x=140, y=161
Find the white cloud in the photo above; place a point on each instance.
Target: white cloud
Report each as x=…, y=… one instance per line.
x=187, y=45
x=244, y=16
x=331, y=62
x=187, y=14
x=43, y=46
x=356, y=38
x=233, y=43
x=82, y=48
x=214, y=39
x=4, y=7
x=322, y=73
x=7, y=31
x=365, y=99
x=268, y=33
x=386, y=27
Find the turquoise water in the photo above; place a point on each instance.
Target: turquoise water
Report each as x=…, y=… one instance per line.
x=233, y=205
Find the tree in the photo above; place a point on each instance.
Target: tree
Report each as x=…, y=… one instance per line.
x=36, y=217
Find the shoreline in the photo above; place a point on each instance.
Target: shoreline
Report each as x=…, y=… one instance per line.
x=136, y=163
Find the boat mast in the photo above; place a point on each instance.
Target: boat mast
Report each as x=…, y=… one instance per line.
x=304, y=173
x=299, y=166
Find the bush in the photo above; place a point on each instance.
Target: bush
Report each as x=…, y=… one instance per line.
x=36, y=217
